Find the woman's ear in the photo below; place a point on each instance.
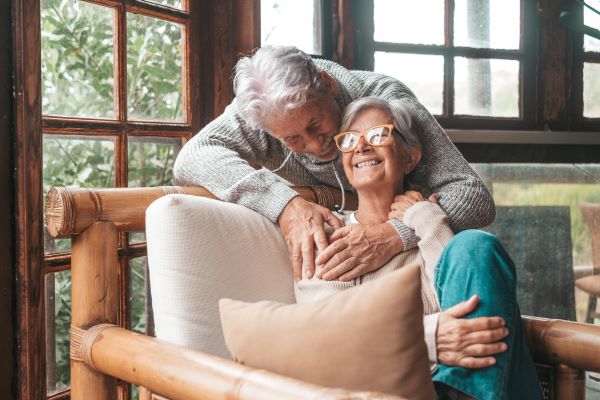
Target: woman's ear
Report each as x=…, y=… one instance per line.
x=414, y=156
x=330, y=83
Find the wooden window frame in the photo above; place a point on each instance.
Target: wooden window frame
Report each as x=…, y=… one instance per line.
x=30, y=126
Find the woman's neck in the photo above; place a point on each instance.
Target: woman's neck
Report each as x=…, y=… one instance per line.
x=374, y=206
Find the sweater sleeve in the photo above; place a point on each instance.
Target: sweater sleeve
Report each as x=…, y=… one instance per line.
x=216, y=159
x=430, y=223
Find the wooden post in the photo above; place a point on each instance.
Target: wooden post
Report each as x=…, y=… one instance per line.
x=94, y=297
x=569, y=383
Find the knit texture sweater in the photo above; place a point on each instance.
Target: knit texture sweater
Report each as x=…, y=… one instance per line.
x=430, y=224
x=218, y=159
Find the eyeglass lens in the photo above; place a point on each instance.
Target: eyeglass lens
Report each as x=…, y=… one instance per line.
x=374, y=136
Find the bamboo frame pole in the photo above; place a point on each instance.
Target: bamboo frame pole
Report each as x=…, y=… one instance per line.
x=185, y=374
x=94, y=299
x=569, y=383
x=554, y=341
x=69, y=211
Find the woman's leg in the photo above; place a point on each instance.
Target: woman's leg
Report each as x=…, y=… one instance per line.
x=475, y=262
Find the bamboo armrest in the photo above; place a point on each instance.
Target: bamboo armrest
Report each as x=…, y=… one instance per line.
x=554, y=341
x=70, y=211
x=180, y=373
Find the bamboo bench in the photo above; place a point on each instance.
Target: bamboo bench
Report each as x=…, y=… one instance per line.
x=102, y=352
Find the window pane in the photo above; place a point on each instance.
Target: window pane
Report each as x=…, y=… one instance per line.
x=77, y=59
x=170, y=3
x=136, y=298
x=154, y=69
x=591, y=19
x=591, y=90
x=486, y=87
x=410, y=69
x=151, y=164
x=151, y=160
x=58, y=322
x=292, y=23
x=402, y=21
x=76, y=161
x=540, y=221
x=487, y=23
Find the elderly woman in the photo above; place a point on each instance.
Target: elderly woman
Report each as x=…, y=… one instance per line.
x=379, y=148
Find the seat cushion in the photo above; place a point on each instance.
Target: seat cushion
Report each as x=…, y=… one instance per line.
x=367, y=338
x=200, y=250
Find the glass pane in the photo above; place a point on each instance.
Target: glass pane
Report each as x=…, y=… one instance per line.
x=58, y=322
x=154, y=69
x=151, y=164
x=77, y=59
x=169, y=3
x=540, y=220
x=475, y=27
x=292, y=23
x=410, y=69
x=403, y=21
x=76, y=161
x=591, y=90
x=136, y=298
x=591, y=19
x=486, y=87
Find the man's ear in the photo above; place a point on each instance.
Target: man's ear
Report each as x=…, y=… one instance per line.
x=330, y=83
x=414, y=156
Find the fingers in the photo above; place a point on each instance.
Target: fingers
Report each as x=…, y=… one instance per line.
x=331, y=251
x=354, y=273
x=340, y=233
x=476, y=362
x=339, y=270
x=332, y=220
x=434, y=198
x=482, y=350
x=320, y=239
x=463, y=308
x=296, y=260
x=308, y=256
x=486, y=336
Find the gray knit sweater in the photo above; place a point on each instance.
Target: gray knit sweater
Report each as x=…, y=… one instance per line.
x=217, y=158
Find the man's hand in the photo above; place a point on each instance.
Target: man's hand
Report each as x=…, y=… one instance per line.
x=469, y=343
x=357, y=249
x=403, y=202
x=302, y=224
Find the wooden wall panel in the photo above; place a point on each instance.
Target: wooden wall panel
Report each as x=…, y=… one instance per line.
x=7, y=240
x=28, y=175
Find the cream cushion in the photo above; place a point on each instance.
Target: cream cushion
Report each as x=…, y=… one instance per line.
x=367, y=338
x=200, y=250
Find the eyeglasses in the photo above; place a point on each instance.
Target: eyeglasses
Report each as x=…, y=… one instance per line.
x=377, y=135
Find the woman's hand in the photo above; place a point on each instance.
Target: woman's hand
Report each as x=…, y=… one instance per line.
x=357, y=249
x=403, y=202
x=469, y=343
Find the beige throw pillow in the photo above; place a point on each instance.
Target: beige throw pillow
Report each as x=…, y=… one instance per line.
x=367, y=338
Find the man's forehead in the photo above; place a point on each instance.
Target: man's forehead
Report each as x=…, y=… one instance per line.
x=292, y=122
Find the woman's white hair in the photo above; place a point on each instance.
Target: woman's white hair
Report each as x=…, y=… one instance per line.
x=402, y=115
x=273, y=80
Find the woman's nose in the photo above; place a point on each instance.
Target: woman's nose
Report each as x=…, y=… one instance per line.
x=363, y=146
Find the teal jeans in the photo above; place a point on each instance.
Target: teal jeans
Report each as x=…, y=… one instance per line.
x=474, y=262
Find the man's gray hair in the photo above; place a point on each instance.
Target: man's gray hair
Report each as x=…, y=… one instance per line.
x=402, y=115
x=273, y=80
